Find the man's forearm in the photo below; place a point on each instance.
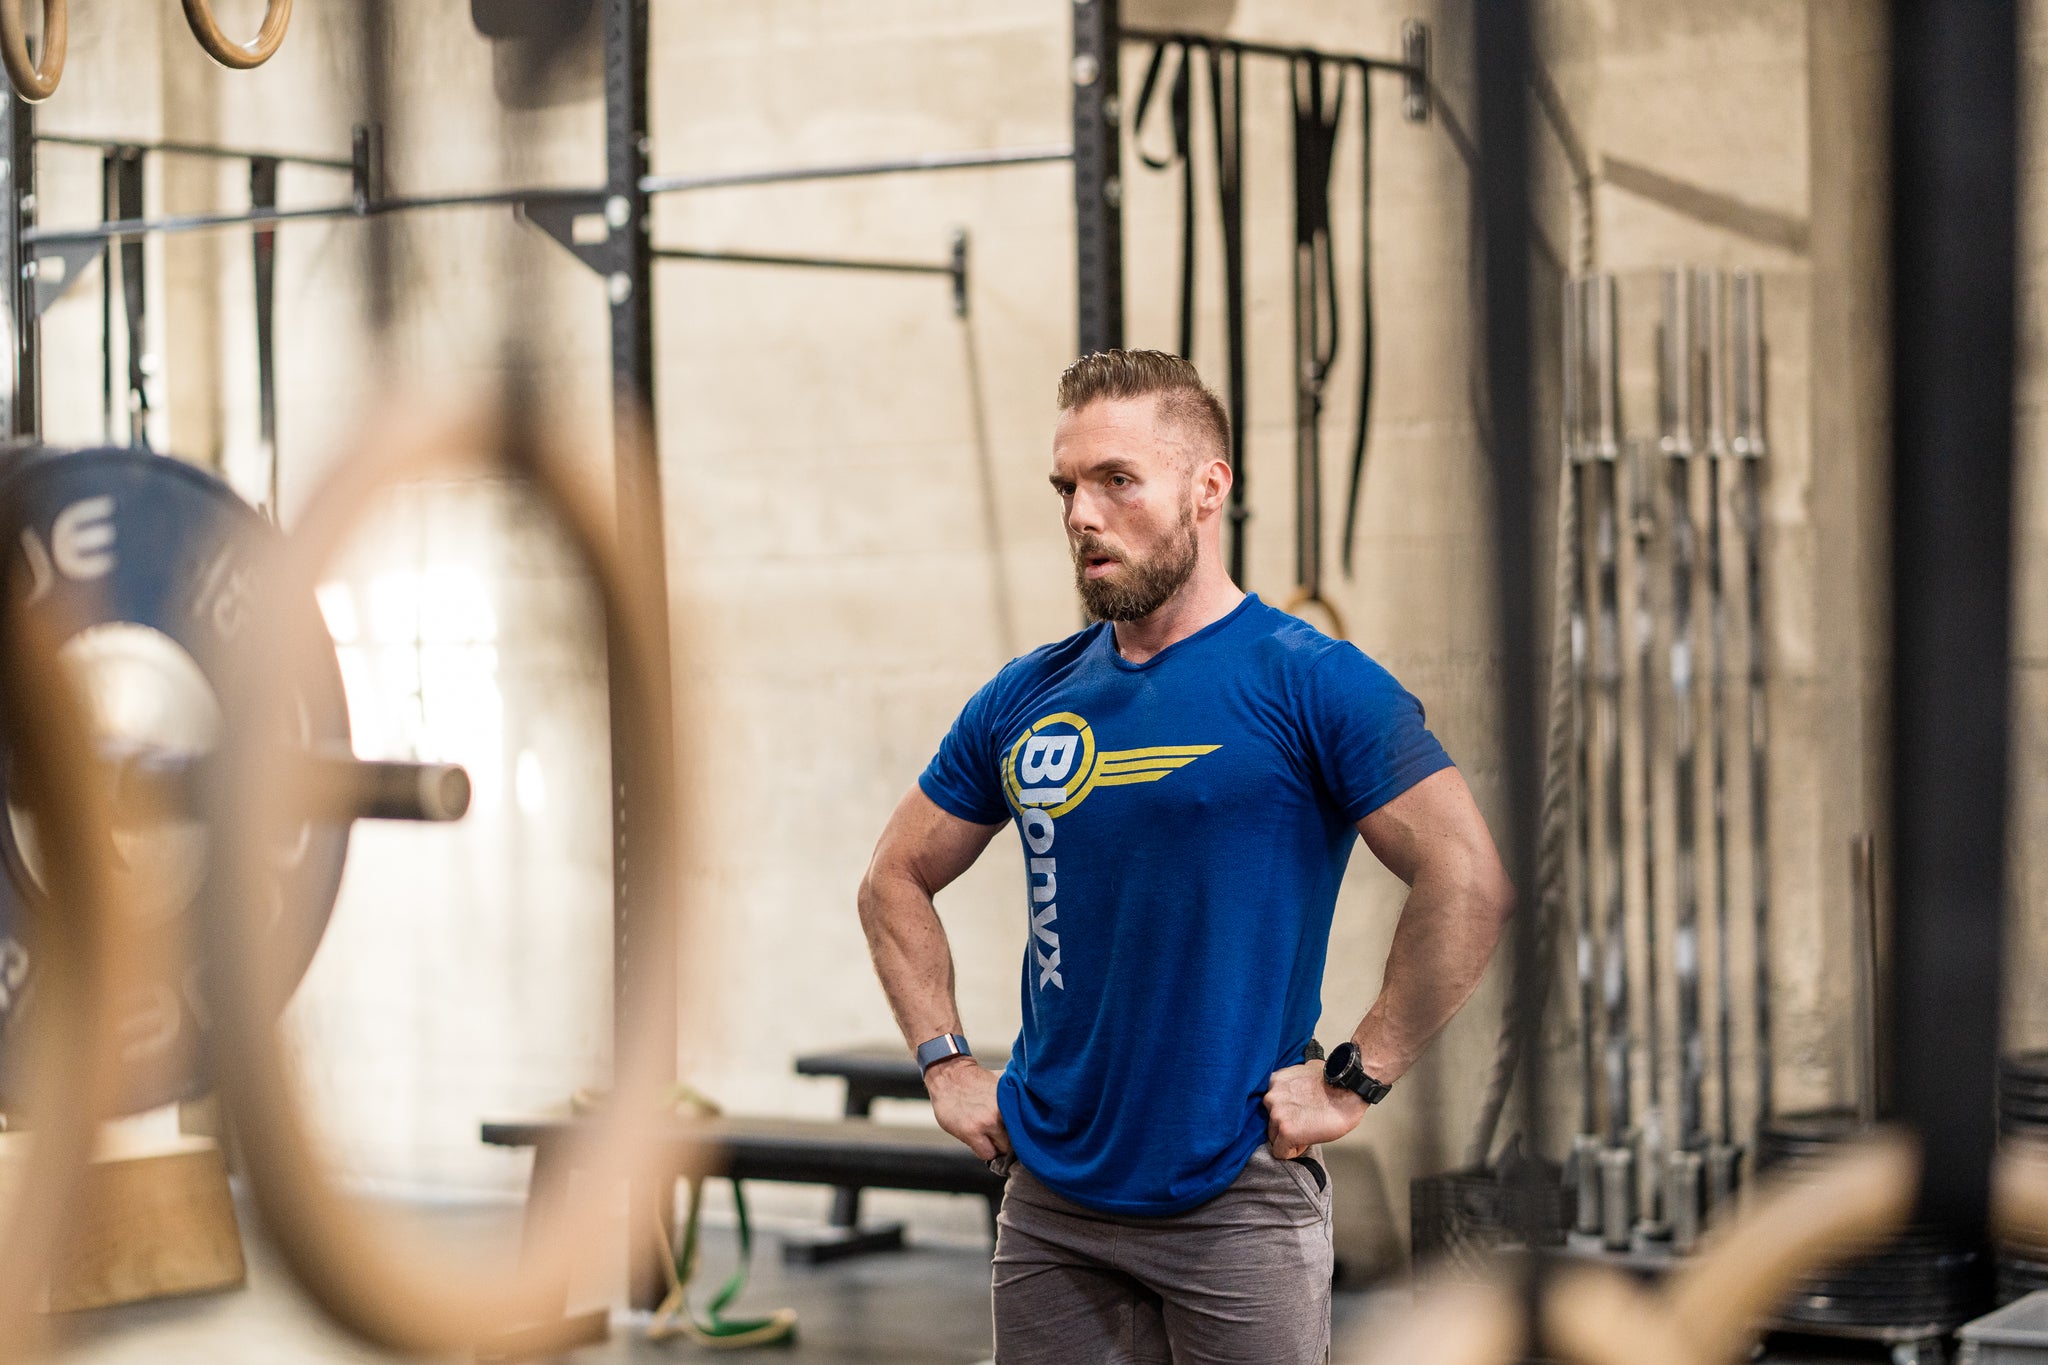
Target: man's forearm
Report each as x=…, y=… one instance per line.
x=1442, y=943
x=912, y=958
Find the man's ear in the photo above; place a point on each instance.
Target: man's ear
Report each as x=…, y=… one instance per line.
x=1212, y=485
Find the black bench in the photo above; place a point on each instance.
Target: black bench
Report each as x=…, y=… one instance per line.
x=838, y=1152
x=874, y=1071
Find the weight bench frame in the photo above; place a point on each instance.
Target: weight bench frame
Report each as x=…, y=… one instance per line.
x=837, y=1152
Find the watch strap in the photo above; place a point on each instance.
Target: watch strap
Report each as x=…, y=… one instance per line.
x=936, y=1050
x=1345, y=1070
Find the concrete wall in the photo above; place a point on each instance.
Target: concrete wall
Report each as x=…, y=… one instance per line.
x=860, y=532
x=859, y=528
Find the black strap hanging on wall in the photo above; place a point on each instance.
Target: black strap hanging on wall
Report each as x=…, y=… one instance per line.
x=1180, y=104
x=1227, y=105
x=263, y=195
x=108, y=163
x=1318, y=111
x=128, y=177
x=1365, y=319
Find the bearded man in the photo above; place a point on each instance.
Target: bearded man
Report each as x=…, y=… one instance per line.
x=1186, y=775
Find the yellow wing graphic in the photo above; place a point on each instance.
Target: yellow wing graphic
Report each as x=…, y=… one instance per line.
x=1121, y=767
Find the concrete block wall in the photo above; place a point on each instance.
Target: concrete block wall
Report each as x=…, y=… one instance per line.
x=858, y=525
x=860, y=532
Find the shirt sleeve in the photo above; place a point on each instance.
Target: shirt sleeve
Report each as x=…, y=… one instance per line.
x=962, y=778
x=1366, y=735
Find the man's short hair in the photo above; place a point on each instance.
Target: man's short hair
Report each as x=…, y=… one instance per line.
x=1183, y=398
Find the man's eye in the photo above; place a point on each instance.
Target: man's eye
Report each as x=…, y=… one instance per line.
x=1119, y=480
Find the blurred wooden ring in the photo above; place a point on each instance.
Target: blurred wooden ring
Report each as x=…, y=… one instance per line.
x=69, y=1055
x=368, y=1275
x=32, y=82
x=241, y=56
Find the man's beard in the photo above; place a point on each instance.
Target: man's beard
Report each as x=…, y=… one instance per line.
x=1144, y=585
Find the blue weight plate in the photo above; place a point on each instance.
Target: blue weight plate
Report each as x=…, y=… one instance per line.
x=145, y=566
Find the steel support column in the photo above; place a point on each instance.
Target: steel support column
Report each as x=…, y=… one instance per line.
x=1501, y=63
x=1098, y=175
x=644, y=951
x=1954, y=141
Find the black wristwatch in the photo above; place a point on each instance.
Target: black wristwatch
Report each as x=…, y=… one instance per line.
x=1343, y=1070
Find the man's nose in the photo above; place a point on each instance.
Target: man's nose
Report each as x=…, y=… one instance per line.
x=1084, y=513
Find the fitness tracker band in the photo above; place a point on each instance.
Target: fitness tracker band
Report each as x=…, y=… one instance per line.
x=946, y=1045
x=1343, y=1070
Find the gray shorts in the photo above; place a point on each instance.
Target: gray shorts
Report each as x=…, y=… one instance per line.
x=1244, y=1277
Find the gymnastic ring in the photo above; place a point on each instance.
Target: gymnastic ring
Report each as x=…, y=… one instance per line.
x=34, y=83
x=365, y=1273
x=1596, y=1316
x=1305, y=597
x=72, y=1068
x=240, y=56
x=1709, y=1310
x=1742, y=1271
x=2019, y=1191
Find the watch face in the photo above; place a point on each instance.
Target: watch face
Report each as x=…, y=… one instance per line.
x=1342, y=1066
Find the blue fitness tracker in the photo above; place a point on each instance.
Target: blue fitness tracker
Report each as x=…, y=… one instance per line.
x=939, y=1049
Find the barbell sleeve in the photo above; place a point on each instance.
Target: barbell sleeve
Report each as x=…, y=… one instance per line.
x=383, y=789
x=339, y=789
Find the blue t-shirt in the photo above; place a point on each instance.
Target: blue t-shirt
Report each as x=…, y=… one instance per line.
x=1186, y=822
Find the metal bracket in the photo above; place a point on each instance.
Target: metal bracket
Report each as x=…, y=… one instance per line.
x=366, y=167
x=1415, y=80
x=582, y=227
x=960, y=272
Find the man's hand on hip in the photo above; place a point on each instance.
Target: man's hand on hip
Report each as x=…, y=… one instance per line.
x=963, y=1095
x=1303, y=1109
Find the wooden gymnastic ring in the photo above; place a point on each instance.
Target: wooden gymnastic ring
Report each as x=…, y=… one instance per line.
x=2019, y=1191
x=1710, y=1310
x=68, y=1054
x=34, y=83
x=364, y=1272
x=1302, y=597
x=1853, y=1202
x=1596, y=1316
x=199, y=14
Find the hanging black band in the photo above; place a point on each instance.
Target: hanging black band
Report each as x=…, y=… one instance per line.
x=263, y=195
x=109, y=198
x=1180, y=104
x=1318, y=111
x=1365, y=320
x=128, y=184
x=1226, y=103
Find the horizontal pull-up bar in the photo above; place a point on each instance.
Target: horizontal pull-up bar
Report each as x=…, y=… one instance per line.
x=654, y=184
x=115, y=144
x=676, y=253
x=954, y=267
x=940, y=161
x=1413, y=66
x=122, y=229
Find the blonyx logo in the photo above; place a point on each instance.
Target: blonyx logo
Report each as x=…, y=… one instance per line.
x=1050, y=769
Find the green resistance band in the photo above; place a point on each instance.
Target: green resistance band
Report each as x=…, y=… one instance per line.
x=675, y=1317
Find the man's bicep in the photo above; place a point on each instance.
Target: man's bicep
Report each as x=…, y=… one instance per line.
x=929, y=844
x=1433, y=823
